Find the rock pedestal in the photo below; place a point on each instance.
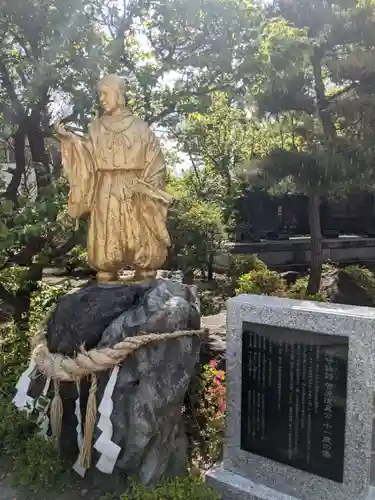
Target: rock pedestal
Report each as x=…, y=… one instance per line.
x=151, y=383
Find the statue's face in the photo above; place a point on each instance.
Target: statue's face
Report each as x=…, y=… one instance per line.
x=109, y=99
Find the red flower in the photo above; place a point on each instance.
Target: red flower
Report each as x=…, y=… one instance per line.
x=213, y=364
x=223, y=405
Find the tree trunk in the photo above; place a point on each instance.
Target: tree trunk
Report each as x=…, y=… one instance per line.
x=321, y=98
x=210, y=267
x=330, y=135
x=39, y=154
x=316, y=245
x=19, y=151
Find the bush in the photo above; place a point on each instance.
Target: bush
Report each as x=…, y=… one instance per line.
x=210, y=304
x=197, y=232
x=14, y=428
x=76, y=259
x=14, y=343
x=243, y=264
x=214, y=294
x=35, y=460
x=14, y=356
x=12, y=277
x=205, y=414
x=188, y=488
x=262, y=282
x=38, y=464
x=298, y=291
x=363, y=277
x=43, y=300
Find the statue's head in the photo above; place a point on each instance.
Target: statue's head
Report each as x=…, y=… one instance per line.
x=111, y=93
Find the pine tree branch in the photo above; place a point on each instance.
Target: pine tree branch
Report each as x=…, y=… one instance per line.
x=65, y=247
x=342, y=91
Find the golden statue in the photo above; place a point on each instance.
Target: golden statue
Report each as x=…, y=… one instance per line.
x=117, y=174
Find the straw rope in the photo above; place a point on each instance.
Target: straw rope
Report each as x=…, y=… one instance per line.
x=68, y=369
x=62, y=368
x=85, y=453
x=56, y=413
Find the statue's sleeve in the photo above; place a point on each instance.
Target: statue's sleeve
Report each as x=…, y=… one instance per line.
x=155, y=177
x=76, y=153
x=155, y=171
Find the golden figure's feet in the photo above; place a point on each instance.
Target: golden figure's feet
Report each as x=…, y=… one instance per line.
x=104, y=278
x=143, y=274
x=140, y=275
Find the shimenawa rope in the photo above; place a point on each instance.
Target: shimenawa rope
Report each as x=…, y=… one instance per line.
x=86, y=364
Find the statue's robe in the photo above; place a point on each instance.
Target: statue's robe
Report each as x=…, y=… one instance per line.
x=117, y=174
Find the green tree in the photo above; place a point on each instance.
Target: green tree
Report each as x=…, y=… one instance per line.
x=295, y=79
x=217, y=143
x=55, y=50
x=38, y=39
x=196, y=227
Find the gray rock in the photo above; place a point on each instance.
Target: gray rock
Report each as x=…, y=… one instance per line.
x=81, y=316
x=350, y=292
x=341, y=288
x=152, y=382
x=147, y=413
x=165, y=307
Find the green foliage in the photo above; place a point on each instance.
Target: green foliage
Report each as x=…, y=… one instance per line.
x=14, y=343
x=242, y=264
x=205, y=414
x=212, y=302
x=38, y=464
x=43, y=300
x=363, y=277
x=174, y=489
x=15, y=429
x=14, y=354
x=298, y=290
x=76, y=259
x=217, y=142
x=313, y=74
x=197, y=231
x=35, y=460
x=262, y=282
x=13, y=277
x=35, y=233
x=59, y=54
x=36, y=219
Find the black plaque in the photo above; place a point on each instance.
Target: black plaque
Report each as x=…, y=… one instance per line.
x=294, y=391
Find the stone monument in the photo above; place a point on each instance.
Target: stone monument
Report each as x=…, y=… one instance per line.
x=117, y=359
x=300, y=387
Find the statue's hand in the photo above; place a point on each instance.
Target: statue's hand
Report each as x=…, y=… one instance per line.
x=61, y=131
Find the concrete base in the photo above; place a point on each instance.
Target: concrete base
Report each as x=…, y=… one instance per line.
x=235, y=487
